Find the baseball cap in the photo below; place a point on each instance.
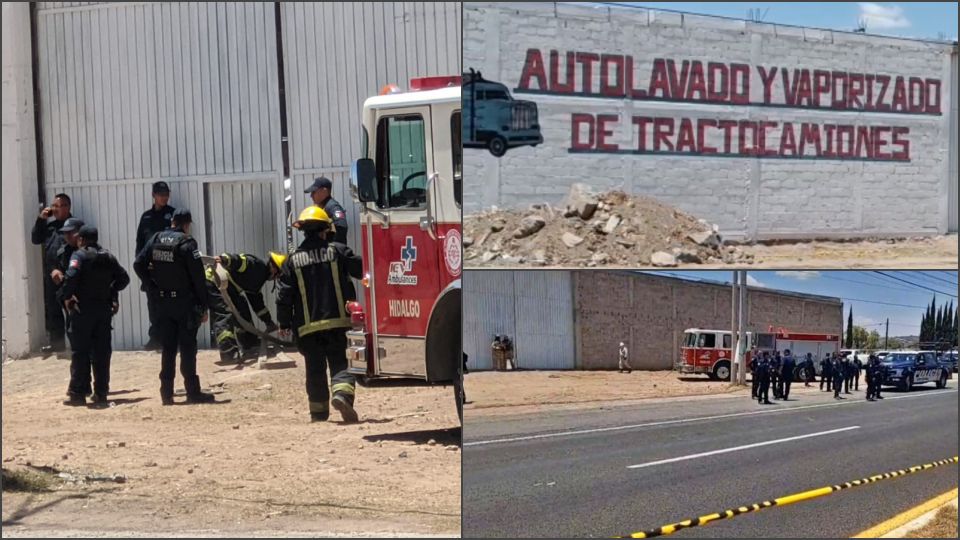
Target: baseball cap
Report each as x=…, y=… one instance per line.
x=71, y=224
x=319, y=182
x=89, y=232
x=161, y=187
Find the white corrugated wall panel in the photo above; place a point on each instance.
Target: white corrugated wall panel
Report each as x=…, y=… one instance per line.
x=132, y=93
x=544, y=318
x=488, y=309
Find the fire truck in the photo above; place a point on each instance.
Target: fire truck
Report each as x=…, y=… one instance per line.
x=711, y=352
x=408, y=187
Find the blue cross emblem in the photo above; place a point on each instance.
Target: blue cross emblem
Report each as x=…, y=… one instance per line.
x=408, y=253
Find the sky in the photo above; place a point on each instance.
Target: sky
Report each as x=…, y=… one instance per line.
x=868, y=292
x=922, y=20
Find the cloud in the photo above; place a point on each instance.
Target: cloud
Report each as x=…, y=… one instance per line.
x=878, y=16
x=800, y=275
x=754, y=282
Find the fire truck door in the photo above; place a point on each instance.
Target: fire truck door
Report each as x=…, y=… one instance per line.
x=405, y=259
x=444, y=186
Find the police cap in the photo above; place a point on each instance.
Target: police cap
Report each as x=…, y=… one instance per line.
x=182, y=216
x=160, y=187
x=89, y=233
x=71, y=225
x=318, y=183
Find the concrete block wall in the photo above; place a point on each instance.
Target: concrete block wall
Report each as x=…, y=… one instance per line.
x=748, y=197
x=650, y=314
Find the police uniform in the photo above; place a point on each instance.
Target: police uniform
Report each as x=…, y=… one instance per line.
x=838, y=376
x=94, y=278
x=64, y=252
x=46, y=233
x=763, y=374
x=786, y=376
x=312, y=291
x=826, y=372
x=170, y=266
x=153, y=221
x=754, y=379
x=332, y=208
x=246, y=276
x=871, y=376
x=857, y=367
x=774, y=370
x=847, y=374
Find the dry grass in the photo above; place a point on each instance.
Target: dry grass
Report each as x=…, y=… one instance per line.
x=943, y=525
x=24, y=480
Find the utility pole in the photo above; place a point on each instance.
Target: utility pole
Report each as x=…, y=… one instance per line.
x=741, y=326
x=735, y=330
x=886, y=335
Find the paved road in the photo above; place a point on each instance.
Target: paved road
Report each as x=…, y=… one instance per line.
x=567, y=473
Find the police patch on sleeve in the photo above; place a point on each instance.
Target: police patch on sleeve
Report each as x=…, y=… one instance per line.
x=74, y=263
x=196, y=254
x=338, y=214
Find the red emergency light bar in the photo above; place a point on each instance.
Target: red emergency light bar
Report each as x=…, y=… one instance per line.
x=433, y=83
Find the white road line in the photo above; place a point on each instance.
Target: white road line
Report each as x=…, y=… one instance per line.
x=738, y=448
x=688, y=420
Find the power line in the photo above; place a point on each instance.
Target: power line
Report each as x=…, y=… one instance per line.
x=883, y=285
x=915, y=284
x=884, y=303
x=931, y=276
x=951, y=274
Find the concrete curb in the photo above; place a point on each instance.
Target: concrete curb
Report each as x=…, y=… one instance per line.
x=915, y=518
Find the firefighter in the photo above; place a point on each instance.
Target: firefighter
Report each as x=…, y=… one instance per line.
x=246, y=276
x=319, y=192
x=170, y=266
x=786, y=374
x=91, y=284
x=763, y=374
x=826, y=372
x=153, y=220
x=624, y=362
x=46, y=232
x=312, y=292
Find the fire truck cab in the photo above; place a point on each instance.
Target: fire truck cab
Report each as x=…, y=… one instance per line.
x=711, y=351
x=408, y=186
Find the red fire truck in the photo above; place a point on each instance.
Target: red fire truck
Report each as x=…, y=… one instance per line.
x=711, y=351
x=408, y=187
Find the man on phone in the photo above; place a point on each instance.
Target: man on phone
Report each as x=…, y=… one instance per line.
x=46, y=232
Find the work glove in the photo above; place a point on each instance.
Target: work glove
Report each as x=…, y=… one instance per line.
x=271, y=326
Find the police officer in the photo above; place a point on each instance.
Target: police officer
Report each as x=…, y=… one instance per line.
x=155, y=219
x=870, y=373
x=312, y=292
x=838, y=370
x=91, y=284
x=763, y=374
x=826, y=372
x=857, y=368
x=246, y=275
x=775, y=374
x=847, y=374
x=880, y=375
x=71, y=240
x=320, y=195
x=754, y=379
x=808, y=371
x=787, y=367
x=170, y=266
x=46, y=232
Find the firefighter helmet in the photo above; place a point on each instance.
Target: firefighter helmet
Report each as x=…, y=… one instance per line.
x=277, y=259
x=313, y=215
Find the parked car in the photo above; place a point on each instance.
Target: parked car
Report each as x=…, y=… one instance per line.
x=905, y=369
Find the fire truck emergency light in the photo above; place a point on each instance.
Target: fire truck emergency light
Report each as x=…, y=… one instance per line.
x=433, y=83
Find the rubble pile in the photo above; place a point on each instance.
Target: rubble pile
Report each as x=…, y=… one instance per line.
x=611, y=229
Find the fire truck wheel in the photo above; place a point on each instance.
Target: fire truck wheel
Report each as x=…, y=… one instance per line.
x=721, y=371
x=498, y=146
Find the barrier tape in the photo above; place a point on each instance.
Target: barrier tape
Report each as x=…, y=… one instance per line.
x=782, y=501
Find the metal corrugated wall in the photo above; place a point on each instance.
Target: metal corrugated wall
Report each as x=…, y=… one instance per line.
x=338, y=54
x=183, y=92
x=535, y=309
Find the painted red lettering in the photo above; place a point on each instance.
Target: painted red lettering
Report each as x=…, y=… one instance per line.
x=821, y=85
x=904, y=144
x=869, y=104
x=615, y=88
x=659, y=80
x=739, y=84
x=742, y=129
x=787, y=141
x=762, y=149
x=845, y=148
x=918, y=96
x=697, y=83
x=701, y=144
x=586, y=61
x=884, y=81
x=685, y=140
x=533, y=68
x=603, y=133
x=810, y=133
x=662, y=131
x=642, y=122
x=804, y=92
x=838, y=100
x=933, y=91
x=635, y=93
x=854, y=91
x=900, y=95
x=767, y=79
x=864, y=142
x=678, y=84
x=555, y=84
x=828, y=150
x=717, y=72
x=879, y=143
x=727, y=127
x=576, y=129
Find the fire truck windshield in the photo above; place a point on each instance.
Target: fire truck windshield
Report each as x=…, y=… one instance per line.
x=691, y=339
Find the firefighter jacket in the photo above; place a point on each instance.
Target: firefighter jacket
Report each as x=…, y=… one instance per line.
x=247, y=274
x=314, y=287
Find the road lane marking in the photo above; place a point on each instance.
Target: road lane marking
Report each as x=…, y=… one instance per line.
x=782, y=501
x=738, y=448
x=688, y=420
x=889, y=526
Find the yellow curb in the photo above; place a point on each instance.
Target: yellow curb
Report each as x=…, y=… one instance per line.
x=906, y=517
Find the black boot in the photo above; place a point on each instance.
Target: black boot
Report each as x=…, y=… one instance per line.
x=75, y=400
x=194, y=394
x=345, y=408
x=319, y=417
x=166, y=392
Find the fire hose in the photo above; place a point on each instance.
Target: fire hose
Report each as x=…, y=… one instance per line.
x=222, y=281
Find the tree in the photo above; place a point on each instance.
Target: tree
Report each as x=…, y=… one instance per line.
x=938, y=326
x=859, y=338
x=849, y=340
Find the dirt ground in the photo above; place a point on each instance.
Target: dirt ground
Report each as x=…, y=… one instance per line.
x=250, y=465
x=513, y=392
x=943, y=525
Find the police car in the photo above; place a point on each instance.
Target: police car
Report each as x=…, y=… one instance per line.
x=949, y=360
x=904, y=369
